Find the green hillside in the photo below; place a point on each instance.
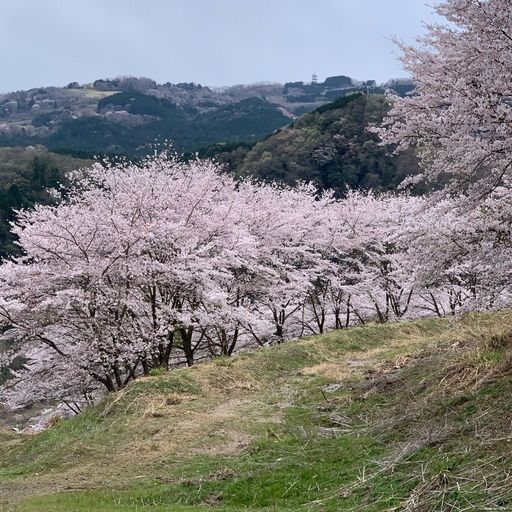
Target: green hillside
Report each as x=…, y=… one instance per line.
x=331, y=146
x=129, y=123
x=249, y=120
x=25, y=176
x=404, y=416
x=125, y=114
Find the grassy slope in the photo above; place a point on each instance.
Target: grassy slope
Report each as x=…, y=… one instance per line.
x=418, y=419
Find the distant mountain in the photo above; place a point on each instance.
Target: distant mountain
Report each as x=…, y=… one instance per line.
x=126, y=114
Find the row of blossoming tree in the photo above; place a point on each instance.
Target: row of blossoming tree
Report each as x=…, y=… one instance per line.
x=164, y=263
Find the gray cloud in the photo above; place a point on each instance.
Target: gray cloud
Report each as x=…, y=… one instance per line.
x=215, y=42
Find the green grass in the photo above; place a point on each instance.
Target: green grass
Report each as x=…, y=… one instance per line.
x=420, y=419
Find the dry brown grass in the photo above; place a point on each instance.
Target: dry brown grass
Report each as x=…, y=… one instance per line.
x=449, y=402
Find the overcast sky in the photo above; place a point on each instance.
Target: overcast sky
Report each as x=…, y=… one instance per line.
x=212, y=42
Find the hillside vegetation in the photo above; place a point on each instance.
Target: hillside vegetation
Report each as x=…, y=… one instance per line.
x=403, y=416
x=249, y=119
x=331, y=146
x=25, y=176
x=126, y=114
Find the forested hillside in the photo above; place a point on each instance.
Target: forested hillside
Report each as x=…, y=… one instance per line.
x=331, y=147
x=126, y=115
x=25, y=176
x=156, y=120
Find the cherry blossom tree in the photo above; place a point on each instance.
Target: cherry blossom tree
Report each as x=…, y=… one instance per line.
x=151, y=265
x=459, y=117
x=461, y=261
x=377, y=282
x=459, y=120
x=167, y=262
x=292, y=227
x=125, y=269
